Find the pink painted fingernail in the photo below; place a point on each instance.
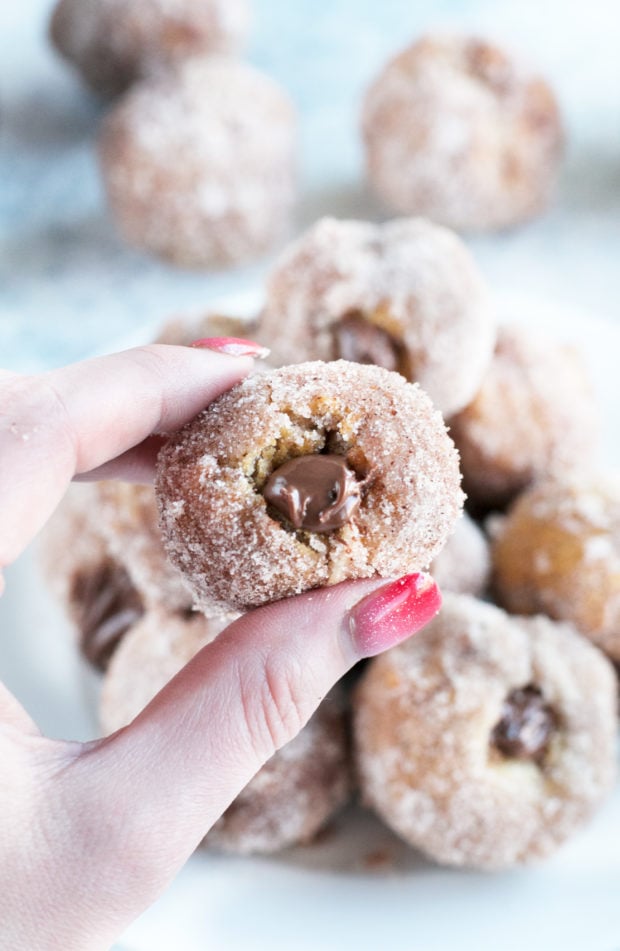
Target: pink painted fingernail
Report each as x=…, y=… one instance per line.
x=393, y=613
x=233, y=346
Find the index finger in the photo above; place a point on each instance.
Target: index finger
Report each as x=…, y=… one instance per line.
x=73, y=420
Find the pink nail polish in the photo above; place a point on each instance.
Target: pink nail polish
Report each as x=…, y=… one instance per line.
x=393, y=613
x=233, y=347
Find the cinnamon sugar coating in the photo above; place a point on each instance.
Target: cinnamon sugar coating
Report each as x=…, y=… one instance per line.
x=236, y=552
x=558, y=552
x=114, y=43
x=534, y=414
x=458, y=130
x=408, y=280
x=128, y=521
x=463, y=564
x=428, y=717
x=293, y=794
x=199, y=163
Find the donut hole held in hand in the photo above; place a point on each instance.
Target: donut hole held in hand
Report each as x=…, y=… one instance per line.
x=371, y=337
x=526, y=727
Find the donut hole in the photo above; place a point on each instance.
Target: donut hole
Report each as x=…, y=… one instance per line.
x=371, y=337
x=526, y=726
x=106, y=604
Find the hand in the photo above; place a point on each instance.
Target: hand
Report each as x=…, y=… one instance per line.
x=81, y=824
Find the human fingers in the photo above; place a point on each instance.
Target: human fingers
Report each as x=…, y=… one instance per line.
x=159, y=784
x=76, y=419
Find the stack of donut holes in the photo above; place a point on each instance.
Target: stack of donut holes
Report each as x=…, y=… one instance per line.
x=198, y=155
x=198, y=152
x=488, y=738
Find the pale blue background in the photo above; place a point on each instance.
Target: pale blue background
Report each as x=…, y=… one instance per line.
x=67, y=285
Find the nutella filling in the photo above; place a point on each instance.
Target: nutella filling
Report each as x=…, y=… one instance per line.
x=360, y=341
x=106, y=605
x=317, y=492
x=526, y=725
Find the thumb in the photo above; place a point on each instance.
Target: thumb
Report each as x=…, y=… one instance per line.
x=174, y=770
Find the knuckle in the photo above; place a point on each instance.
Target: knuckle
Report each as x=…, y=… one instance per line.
x=274, y=711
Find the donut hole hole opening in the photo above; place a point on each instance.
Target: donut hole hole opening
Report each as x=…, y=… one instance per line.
x=371, y=337
x=106, y=604
x=312, y=480
x=298, y=437
x=526, y=726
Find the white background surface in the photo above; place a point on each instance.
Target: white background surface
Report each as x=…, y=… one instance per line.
x=67, y=287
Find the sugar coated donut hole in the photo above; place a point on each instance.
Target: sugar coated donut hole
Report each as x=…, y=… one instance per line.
x=199, y=163
x=534, y=414
x=463, y=565
x=486, y=740
x=389, y=492
x=405, y=295
x=557, y=551
x=128, y=519
x=114, y=43
x=456, y=129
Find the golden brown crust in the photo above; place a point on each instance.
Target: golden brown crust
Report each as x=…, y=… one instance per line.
x=216, y=523
x=558, y=552
x=425, y=714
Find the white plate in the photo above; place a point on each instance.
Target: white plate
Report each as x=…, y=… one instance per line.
x=360, y=887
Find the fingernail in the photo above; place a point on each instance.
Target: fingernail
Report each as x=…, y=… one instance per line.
x=233, y=346
x=393, y=613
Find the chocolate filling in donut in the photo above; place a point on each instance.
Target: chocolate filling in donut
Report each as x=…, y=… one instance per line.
x=106, y=604
x=317, y=492
x=526, y=725
x=361, y=341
